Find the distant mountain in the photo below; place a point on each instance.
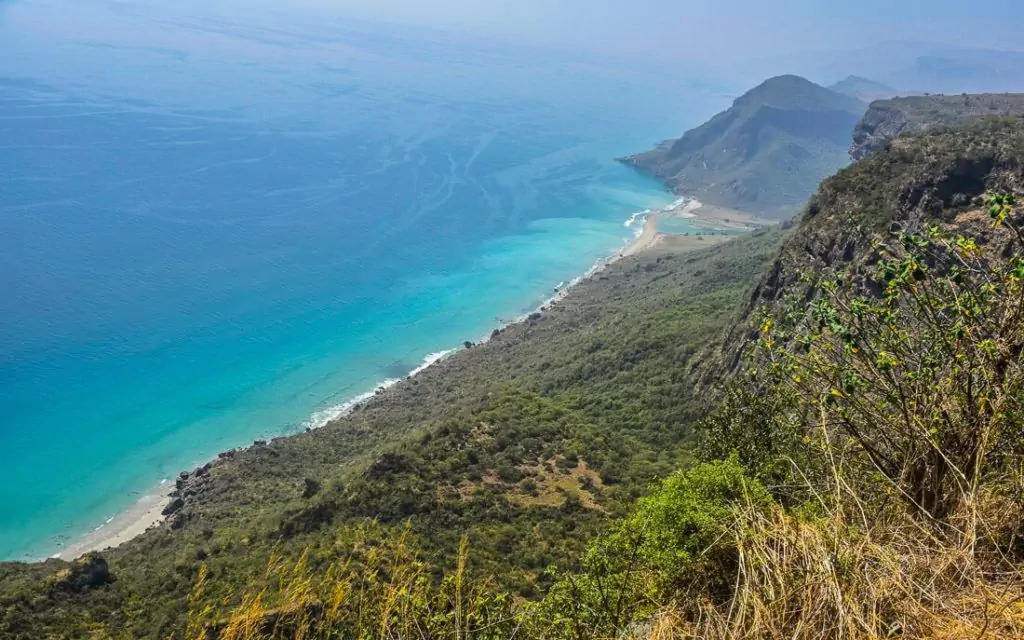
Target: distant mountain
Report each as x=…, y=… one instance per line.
x=863, y=89
x=971, y=73
x=887, y=119
x=766, y=154
x=917, y=68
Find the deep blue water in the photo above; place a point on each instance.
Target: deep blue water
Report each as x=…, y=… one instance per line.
x=216, y=222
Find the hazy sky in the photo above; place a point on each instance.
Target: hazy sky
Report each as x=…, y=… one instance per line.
x=699, y=29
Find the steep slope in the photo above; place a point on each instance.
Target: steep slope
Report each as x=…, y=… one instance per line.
x=765, y=154
x=887, y=119
x=916, y=180
x=528, y=444
x=541, y=438
x=830, y=498
x=863, y=89
x=533, y=442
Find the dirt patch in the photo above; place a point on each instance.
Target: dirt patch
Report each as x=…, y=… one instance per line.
x=548, y=484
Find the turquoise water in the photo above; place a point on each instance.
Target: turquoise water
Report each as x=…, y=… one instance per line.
x=219, y=224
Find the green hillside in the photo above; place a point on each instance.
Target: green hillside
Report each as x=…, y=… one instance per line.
x=529, y=444
x=766, y=154
x=811, y=432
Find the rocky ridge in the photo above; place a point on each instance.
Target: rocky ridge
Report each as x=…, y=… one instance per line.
x=888, y=119
x=938, y=177
x=764, y=155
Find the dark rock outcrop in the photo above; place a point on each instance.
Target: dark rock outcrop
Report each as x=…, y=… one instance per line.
x=174, y=506
x=310, y=488
x=889, y=119
x=388, y=463
x=88, y=572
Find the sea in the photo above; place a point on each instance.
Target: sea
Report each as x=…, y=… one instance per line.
x=224, y=221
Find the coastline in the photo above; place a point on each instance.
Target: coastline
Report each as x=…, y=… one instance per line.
x=722, y=218
x=649, y=236
x=147, y=512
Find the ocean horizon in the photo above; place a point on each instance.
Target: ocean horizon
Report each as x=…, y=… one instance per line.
x=220, y=225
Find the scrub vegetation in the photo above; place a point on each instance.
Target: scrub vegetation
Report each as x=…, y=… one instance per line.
x=804, y=433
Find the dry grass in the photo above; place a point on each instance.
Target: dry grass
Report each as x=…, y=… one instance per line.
x=835, y=578
x=845, y=575
x=545, y=485
x=383, y=592
x=552, y=486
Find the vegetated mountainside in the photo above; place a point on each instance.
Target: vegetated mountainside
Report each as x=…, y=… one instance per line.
x=887, y=119
x=856, y=471
x=527, y=444
x=859, y=478
x=916, y=180
x=863, y=89
x=766, y=154
x=856, y=474
x=874, y=385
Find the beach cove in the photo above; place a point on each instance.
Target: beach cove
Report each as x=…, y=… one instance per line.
x=209, y=247
x=705, y=226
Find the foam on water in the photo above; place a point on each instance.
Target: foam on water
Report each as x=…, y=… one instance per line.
x=324, y=417
x=638, y=215
x=675, y=204
x=431, y=360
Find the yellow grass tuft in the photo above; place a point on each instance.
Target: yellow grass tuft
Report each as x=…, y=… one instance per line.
x=830, y=578
x=382, y=591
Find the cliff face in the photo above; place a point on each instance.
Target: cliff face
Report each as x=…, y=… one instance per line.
x=939, y=177
x=887, y=119
x=766, y=154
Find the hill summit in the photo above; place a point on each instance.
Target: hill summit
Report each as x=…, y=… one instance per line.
x=766, y=154
x=863, y=89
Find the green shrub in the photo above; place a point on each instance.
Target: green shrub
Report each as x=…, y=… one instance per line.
x=675, y=544
x=680, y=528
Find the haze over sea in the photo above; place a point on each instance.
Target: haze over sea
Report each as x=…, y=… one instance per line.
x=222, y=223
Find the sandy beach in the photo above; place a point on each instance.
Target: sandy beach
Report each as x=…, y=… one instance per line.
x=720, y=217
x=147, y=512
x=126, y=525
x=708, y=220
x=648, y=237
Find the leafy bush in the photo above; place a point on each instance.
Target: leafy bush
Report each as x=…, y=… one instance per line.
x=676, y=544
x=916, y=384
x=676, y=532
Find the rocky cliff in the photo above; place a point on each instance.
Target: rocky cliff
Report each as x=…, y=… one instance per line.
x=938, y=177
x=887, y=119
